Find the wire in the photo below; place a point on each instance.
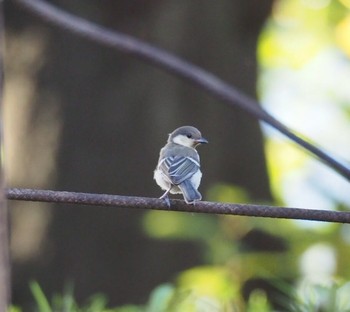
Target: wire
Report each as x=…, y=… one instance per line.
x=177, y=205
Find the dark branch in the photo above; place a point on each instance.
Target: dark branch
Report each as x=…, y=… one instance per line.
x=174, y=65
x=177, y=205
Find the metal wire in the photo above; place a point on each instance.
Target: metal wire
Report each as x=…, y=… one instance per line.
x=177, y=205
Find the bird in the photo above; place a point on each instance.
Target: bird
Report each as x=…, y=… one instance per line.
x=178, y=169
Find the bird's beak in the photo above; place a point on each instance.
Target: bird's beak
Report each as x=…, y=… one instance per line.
x=202, y=141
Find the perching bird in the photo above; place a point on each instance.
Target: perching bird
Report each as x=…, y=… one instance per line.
x=178, y=169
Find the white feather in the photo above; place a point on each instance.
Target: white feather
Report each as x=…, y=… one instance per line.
x=196, y=179
x=183, y=140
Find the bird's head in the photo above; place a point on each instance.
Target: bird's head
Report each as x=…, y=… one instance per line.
x=187, y=136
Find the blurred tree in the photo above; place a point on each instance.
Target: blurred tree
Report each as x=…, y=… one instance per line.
x=115, y=114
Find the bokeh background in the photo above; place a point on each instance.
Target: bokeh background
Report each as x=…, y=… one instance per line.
x=81, y=117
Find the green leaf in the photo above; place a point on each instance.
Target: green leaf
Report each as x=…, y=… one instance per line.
x=40, y=298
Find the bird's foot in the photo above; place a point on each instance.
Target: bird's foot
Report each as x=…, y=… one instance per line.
x=166, y=199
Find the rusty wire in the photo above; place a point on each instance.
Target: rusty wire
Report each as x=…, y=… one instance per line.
x=177, y=205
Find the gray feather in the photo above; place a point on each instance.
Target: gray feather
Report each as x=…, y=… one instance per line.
x=189, y=192
x=179, y=169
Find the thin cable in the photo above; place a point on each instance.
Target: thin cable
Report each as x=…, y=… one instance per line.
x=177, y=205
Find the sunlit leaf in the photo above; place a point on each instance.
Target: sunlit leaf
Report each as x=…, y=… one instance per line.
x=342, y=35
x=210, y=281
x=179, y=225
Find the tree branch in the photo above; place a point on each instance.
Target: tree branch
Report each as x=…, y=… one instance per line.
x=197, y=76
x=177, y=205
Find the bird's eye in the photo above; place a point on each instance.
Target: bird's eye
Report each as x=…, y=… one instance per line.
x=189, y=136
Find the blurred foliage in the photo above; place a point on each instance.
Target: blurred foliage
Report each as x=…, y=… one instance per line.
x=298, y=30
x=219, y=296
x=304, y=59
x=333, y=297
x=258, y=302
x=66, y=302
x=237, y=250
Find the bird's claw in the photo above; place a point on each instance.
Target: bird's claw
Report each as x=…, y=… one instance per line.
x=166, y=199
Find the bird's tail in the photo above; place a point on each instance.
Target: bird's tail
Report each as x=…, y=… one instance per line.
x=189, y=192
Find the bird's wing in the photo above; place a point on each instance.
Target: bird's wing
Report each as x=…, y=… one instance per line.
x=179, y=168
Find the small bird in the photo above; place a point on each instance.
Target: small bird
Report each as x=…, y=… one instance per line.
x=178, y=168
